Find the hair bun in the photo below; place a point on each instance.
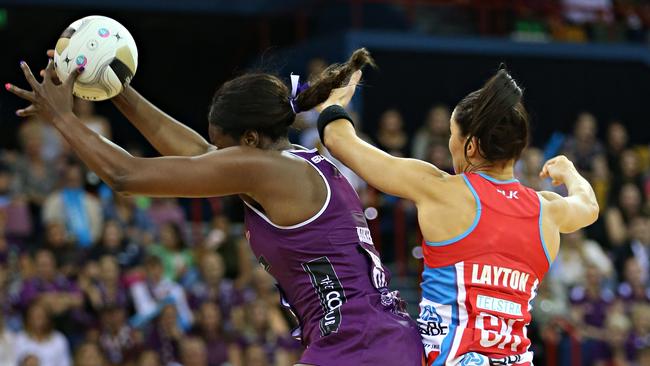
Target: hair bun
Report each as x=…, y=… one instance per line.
x=506, y=87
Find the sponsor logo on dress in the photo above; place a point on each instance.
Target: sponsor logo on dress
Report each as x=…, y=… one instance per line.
x=499, y=305
x=330, y=293
x=430, y=323
x=509, y=194
x=364, y=235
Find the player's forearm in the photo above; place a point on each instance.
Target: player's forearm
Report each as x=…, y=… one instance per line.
x=109, y=161
x=166, y=134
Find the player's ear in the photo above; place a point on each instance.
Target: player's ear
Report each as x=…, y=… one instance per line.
x=250, y=138
x=472, y=147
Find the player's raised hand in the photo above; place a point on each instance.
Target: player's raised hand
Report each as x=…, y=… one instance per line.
x=55, y=77
x=48, y=99
x=557, y=168
x=342, y=96
x=31, y=110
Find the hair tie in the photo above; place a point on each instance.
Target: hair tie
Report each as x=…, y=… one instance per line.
x=296, y=88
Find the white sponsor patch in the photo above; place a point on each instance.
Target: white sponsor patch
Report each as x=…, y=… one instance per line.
x=498, y=305
x=364, y=235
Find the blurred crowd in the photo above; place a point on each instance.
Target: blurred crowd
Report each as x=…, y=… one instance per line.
x=89, y=277
x=539, y=20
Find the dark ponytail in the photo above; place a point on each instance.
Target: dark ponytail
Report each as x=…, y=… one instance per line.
x=333, y=77
x=496, y=117
x=260, y=101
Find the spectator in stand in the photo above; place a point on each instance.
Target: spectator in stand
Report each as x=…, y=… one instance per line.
x=633, y=287
x=149, y=358
x=266, y=327
x=35, y=177
x=165, y=336
x=127, y=252
x=177, y=258
x=617, y=139
x=434, y=132
x=85, y=110
x=390, y=134
x=583, y=146
x=89, y=354
x=50, y=287
x=588, y=11
x=617, y=330
x=102, y=285
x=18, y=225
x=600, y=179
x=164, y=211
x=156, y=292
x=131, y=213
x=528, y=167
x=255, y=355
x=630, y=173
x=577, y=253
x=440, y=156
x=637, y=247
x=79, y=210
x=41, y=340
x=590, y=306
x=7, y=344
x=209, y=328
x=211, y=286
x=68, y=258
x=639, y=338
x=194, y=352
x=118, y=341
x=618, y=217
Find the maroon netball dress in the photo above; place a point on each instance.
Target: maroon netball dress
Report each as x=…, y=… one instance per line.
x=331, y=277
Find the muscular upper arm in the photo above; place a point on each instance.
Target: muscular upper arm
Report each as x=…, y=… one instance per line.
x=568, y=213
x=411, y=179
x=223, y=172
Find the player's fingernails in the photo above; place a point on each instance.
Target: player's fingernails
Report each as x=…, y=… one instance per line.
x=81, y=69
x=19, y=112
x=7, y=86
x=22, y=62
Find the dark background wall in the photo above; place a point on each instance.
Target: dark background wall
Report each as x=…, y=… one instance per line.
x=184, y=56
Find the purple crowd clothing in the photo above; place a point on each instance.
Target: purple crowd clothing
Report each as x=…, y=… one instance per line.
x=33, y=288
x=331, y=277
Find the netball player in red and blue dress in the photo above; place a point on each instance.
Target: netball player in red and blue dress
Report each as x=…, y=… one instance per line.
x=489, y=240
x=304, y=221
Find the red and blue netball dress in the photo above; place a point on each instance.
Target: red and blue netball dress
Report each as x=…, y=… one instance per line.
x=477, y=288
x=330, y=275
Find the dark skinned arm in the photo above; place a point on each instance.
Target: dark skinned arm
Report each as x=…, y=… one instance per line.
x=166, y=134
x=229, y=171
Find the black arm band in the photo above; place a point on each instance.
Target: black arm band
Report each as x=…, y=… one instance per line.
x=329, y=115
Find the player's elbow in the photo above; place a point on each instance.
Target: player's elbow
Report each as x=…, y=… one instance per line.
x=119, y=183
x=593, y=210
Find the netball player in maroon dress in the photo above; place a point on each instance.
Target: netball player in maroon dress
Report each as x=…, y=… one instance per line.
x=304, y=221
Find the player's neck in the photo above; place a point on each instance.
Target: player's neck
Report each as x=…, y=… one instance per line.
x=497, y=171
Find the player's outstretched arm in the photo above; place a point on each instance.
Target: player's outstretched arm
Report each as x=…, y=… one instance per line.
x=411, y=179
x=407, y=178
x=580, y=207
x=217, y=173
x=166, y=134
